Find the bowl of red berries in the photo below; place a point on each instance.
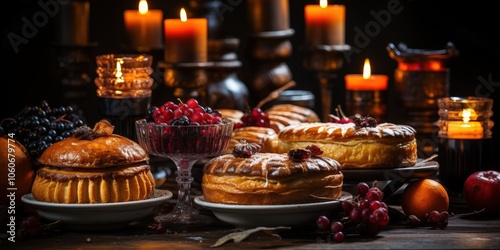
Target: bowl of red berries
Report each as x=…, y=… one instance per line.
x=184, y=132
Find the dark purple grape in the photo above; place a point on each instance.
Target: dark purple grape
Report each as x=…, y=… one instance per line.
x=355, y=215
x=433, y=216
x=338, y=237
x=347, y=206
x=362, y=188
x=336, y=226
x=322, y=222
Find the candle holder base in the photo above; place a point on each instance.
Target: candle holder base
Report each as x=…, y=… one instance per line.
x=458, y=158
x=367, y=103
x=188, y=79
x=325, y=60
x=267, y=69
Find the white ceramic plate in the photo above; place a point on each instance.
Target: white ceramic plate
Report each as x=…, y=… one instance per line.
x=251, y=216
x=97, y=217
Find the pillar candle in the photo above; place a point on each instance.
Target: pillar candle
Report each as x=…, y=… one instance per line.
x=185, y=39
x=367, y=81
x=73, y=23
x=144, y=27
x=325, y=24
x=268, y=15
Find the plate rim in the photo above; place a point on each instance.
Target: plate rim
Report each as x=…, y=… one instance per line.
x=29, y=199
x=428, y=168
x=226, y=207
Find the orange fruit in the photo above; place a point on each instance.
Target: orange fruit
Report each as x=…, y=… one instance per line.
x=422, y=196
x=16, y=172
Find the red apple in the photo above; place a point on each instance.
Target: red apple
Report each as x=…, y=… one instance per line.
x=481, y=191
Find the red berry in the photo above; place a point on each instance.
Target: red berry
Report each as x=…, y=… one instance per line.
x=338, y=237
x=336, y=226
x=347, y=206
x=433, y=216
x=362, y=188
x=322, y=222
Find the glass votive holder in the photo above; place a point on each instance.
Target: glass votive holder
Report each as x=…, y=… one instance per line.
x=124, y=89
x=367, y=103
x=465, y=139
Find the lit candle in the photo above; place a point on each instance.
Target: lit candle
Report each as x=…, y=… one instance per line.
x=186, y=39
x=465, y=129
x=144, y=27
x=325, y=24
x=367, y=81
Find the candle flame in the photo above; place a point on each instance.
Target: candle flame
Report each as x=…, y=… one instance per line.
x=143, y=7
x=119, y=73
x=468, y=114
x=183, y=15
x=367, y=69
x=323, y=3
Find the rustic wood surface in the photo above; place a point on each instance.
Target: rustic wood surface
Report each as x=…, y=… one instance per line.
x=463, y=232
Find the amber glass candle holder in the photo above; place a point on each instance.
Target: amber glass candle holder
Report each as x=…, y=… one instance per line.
x=124, y=89
x=465, y=139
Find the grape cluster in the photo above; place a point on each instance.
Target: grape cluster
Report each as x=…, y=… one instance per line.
x=434, y=219
x=189, y=113
x=256, y=117
x=38, y=127
x=365, y=214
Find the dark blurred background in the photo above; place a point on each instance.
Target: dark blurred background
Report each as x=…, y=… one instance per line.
x=30, y=72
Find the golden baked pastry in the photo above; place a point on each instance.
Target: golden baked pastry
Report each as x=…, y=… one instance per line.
x=79, y=185
x=282, y=115
x=93, y=166
x=270, y=179
x=265, y=137
x=232, y=114
x=386, y=145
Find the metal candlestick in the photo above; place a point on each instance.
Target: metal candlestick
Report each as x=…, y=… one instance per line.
x=325, y=60
x=226, y=90
x=188, y=79
x=370, y=103
x=267, y=67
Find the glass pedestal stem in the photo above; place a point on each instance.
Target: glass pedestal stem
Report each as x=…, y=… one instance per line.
x=184, y=180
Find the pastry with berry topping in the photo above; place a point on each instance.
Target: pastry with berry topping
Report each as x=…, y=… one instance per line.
x=93, y=166
x=282, y=115
x=249, y=177
x=265, y=137
x=360, y=144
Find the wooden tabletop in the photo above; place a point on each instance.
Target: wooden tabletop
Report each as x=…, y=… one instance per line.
x=462, y=232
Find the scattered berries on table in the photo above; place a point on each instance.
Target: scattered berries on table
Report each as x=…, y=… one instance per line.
x=365, y=214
